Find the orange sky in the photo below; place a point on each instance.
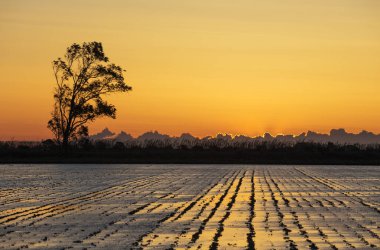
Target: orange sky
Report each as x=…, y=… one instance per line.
x=201, y=66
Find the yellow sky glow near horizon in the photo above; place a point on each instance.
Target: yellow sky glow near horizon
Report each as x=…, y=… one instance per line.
x=203, y=67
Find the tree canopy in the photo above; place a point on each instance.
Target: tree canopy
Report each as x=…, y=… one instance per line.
x=84, y=76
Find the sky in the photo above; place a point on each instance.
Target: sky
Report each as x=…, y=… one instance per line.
x=201, y=66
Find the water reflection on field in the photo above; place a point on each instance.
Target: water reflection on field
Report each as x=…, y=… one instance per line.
x=189, y=206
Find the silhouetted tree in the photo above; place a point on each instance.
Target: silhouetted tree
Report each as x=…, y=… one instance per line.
x=83, y=77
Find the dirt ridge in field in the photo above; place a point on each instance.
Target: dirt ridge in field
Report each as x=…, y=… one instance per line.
x=189, y=207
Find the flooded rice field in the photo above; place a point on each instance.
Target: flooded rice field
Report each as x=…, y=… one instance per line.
x=189, y=207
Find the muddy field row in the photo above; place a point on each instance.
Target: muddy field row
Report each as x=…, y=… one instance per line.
x=189, y=207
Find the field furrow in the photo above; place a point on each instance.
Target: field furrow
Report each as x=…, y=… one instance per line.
x=189, y=207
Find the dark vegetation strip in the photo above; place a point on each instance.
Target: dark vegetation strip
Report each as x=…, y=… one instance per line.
x=286, y=230
x=220, y=229
x=325, y=183
x=138, y=209
x=192, y=204
x=96, y=232
x=172, y=214
x=67, y=204
x=264, y=153
x=81, y=204
x=68, y=200
x=187, y=208
x=251, y=234
x=196, y=235
x=361, y=201
x=325, y=237
x=157, y=224
x=133, y=212
x=296, y=220
x=204, y=206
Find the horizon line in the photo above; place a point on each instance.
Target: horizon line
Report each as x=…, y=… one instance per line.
x=232, y=135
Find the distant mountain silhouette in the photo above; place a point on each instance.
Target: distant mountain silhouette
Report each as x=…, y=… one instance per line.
x=153, y=136
x=338, y=136
x=336, y=147
x=104, y=134
x=122, y=137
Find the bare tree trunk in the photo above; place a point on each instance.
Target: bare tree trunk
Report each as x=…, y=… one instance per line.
x=65, y=145
x=65, y=141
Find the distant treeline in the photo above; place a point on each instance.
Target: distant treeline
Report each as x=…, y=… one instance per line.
x=192, y=151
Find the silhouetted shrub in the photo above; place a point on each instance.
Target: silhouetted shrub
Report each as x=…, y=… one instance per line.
x=198, y=151
x=119, y=146
x=49, y=144
x=23, y=147
x=100, y=145
x=85, y=143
